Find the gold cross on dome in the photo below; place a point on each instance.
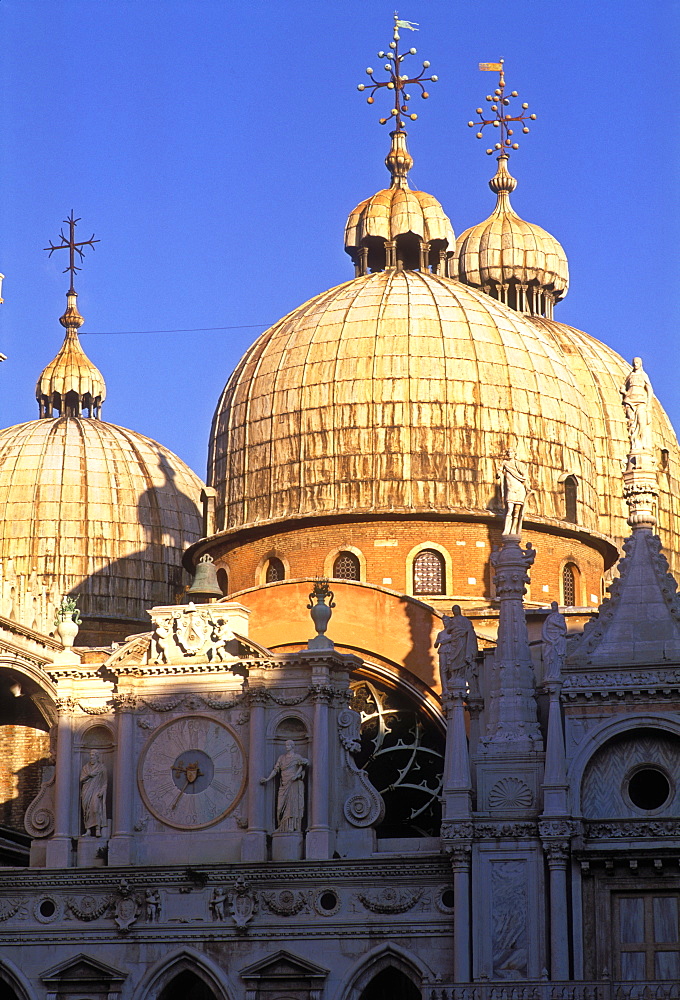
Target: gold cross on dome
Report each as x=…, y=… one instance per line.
x=73, y=247
x=397, y=81
x=502, y=118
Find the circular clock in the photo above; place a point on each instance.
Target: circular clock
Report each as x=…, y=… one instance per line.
x=191, y=772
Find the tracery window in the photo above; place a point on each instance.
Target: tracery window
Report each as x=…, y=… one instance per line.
x=402, y=752
x=429, y=573
x=346, y=567
x=569, y=585
x=275, y=571
x=570, y=497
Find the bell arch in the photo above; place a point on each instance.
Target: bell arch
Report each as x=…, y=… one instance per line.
x=204, y=975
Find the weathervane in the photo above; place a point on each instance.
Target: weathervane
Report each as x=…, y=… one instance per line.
x=73, y=247
x=502, y=119
x=397, y=81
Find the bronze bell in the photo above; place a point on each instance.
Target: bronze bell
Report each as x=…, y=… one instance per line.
x=205, y=583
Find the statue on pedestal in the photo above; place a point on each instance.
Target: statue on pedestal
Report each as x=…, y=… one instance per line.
x=554, y=636
x=93, y=781
x=514, y=491
x=290, y=801
x=457, y=645
x=637, y=395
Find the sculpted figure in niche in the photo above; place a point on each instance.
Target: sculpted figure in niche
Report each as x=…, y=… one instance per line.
x=554, y=636
x=290, y=801
x=514, y=482
x=457, y=645
x=217, y=903
x=637, y=395
x=93, y=783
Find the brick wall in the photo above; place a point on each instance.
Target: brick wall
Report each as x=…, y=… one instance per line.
x=23, y=752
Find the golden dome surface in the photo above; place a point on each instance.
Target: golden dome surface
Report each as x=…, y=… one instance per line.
x=517, y=262
x=71, y=382
x=91, y=509
x=398, y=391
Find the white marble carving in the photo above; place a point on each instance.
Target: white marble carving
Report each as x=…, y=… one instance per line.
x=509, y=894
x=290, y=799
x=93, y=784
x=637, y=395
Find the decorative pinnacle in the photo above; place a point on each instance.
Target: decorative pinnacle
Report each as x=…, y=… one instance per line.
x=73, y=247
x=502, y=119
x=398, y=81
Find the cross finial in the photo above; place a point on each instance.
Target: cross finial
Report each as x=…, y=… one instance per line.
x=502, y=118
x=396, y=80
x=73, y=247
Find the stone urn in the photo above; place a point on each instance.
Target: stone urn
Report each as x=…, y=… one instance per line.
x=67, y=621
x=321, y=614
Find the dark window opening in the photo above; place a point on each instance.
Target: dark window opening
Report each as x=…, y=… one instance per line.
x=346, y=567
x=393, y=984
x=429, y=573
x=649, y=788
x=570, y=497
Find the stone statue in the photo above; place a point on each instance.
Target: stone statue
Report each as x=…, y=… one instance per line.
x=152, y=904
x=457, y=644
x=290, y=801
x=554, y=636
x=94, y=780
x=514, y=491
x=217, y=903
x=637, y=395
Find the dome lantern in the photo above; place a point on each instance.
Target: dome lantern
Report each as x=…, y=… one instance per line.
x=399, y=229
x=514, y=261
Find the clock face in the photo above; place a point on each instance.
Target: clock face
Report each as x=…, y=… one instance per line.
x=191, y=772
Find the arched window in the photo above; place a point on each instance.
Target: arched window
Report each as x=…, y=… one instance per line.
x=570, y=496
x=569, y=585
x=346, y=566
x=275, y=571
x=429, y=573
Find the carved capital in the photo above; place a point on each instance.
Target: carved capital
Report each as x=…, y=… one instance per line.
x=457, y=831
x=66, y=706
x=322, y=694
x=556, y=852
x=124, y=702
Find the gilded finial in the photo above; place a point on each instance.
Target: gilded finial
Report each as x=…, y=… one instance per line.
x=397, y=81
x=73, y=247
x=502, y=118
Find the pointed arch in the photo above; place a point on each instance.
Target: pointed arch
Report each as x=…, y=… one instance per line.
x=379, y=959
x=172, y=965
x=11, y=976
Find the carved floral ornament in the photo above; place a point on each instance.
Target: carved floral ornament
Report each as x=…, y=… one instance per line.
x=510, y=793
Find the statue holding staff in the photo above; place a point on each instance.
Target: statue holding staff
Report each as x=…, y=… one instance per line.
x=290, y=801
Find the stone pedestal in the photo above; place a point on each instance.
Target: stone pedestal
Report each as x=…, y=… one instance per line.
x=319, y=844
x=286, y=846
x=254, y=846
x=91, y=852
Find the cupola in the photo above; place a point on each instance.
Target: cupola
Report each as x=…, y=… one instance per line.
x=71, y=385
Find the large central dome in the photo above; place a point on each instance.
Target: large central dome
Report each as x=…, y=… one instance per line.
x=398, y=390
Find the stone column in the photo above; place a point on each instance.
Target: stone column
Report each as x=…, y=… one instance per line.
x=254, y=846
x=555, y=777
x=460, y=852
x=318, y=838
x=120, y=845
x=555, y=835
x=457, y=786
x=59, y=845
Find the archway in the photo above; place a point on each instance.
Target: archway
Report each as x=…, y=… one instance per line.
x=391, y=983
x=187, y=986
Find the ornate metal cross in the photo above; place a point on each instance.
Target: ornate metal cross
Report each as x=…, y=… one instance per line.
x=502, y=119
x=398, y=81
x=73, y=247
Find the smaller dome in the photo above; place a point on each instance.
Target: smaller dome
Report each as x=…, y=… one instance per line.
x=515, y=261
x=398, y=227
x=70, y=384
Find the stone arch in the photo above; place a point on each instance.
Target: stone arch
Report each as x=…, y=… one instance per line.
x=329, y=561
x=170, y=967
x=379, y=960
x=263, y=565
x=600, y=736
x=13, y=978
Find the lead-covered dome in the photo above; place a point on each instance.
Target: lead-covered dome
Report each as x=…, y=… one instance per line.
x=515, y=261
x=88, y=508
x=399, y=390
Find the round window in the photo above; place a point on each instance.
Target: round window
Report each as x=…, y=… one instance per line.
x=328, y=900
x=649, y=788
x=47, y=908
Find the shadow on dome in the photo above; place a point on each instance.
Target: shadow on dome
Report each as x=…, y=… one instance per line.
x=114, y=600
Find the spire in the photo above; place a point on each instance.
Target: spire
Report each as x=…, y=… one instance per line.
x=514, y=261
x=70, y=384
x=640, y=622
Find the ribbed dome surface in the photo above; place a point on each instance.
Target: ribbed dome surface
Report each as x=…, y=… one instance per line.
x=505, y=249
x=395, y=211
x=71, y=371
x=399, y=390
x=93, y=509
x=601, y=372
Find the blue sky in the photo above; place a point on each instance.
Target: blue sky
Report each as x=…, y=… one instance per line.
x=216, y=149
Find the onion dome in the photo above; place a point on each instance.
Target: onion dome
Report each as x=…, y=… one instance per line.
x=71, y=385
x=89, y=509
x=514, y=261
x=398, y=227
x=397, y=391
